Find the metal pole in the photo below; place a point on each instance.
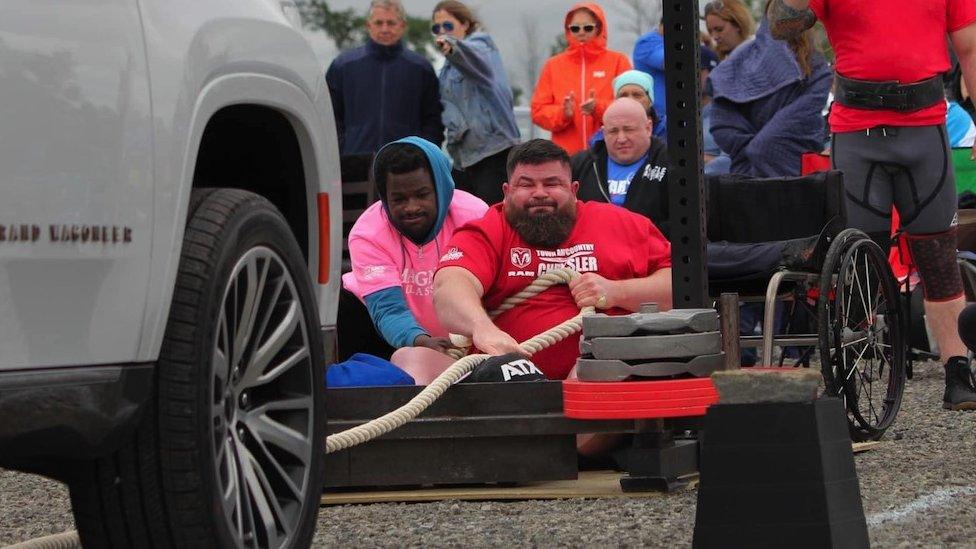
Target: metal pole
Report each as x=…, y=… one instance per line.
x=686, y=180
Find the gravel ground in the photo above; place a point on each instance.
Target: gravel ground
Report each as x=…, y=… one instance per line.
x=918, y=488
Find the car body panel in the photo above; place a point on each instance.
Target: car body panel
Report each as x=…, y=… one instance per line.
x=77, y=181
x=111, y=141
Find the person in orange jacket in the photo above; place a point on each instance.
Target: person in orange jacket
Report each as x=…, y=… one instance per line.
x=576, y=86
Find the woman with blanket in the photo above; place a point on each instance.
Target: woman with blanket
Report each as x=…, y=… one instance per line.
x=767, y=103
x=477, y=99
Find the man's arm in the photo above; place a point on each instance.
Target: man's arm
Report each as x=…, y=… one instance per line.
x=964, y=43
x=789, y=18
x=457, y=300
x=588, y=288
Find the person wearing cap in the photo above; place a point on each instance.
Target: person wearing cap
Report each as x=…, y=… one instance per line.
x=628, y=166
x=889, y=139
x=638, y=86
x=396, y=243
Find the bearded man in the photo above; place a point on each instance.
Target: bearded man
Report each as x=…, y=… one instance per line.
x=623, y=259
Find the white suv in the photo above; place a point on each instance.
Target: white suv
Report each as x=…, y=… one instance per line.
x=169, y=266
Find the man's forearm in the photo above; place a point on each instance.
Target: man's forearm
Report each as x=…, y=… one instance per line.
x=790, y=18
x=457, y=300
x=630, y=294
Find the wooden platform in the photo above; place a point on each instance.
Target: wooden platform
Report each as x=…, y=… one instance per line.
x=589, y=485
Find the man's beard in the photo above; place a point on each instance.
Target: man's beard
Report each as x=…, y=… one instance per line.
x=543, y=230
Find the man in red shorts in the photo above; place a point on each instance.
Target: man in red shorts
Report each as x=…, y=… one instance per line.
x=889, y=138
x=622, y=257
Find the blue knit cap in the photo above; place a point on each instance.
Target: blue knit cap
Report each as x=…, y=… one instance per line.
x=639, y=78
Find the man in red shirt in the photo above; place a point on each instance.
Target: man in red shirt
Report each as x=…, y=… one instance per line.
x=622, y=257
x=889, y=138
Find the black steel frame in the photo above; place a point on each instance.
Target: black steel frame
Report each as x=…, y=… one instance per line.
x=687, y=190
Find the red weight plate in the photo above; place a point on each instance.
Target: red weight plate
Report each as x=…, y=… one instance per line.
x=636, y=414
x=637, y=395
x=638, y=399
x=630, y=386
x=641, y=404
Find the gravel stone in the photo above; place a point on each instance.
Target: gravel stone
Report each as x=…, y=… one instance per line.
x=926, y=453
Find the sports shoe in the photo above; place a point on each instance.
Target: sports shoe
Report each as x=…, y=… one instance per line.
x=960, y=393
x=802, y=254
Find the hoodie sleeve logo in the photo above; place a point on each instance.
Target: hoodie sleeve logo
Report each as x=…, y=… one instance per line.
x=521, y=257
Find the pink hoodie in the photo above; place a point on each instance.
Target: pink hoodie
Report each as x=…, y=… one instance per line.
x=383, y=258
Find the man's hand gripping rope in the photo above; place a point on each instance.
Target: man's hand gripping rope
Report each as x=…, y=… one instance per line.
x=386, y=423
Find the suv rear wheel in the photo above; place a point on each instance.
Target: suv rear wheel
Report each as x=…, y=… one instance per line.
x=231, y=452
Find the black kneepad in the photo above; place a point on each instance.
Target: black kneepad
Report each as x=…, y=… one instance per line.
x=934, y=256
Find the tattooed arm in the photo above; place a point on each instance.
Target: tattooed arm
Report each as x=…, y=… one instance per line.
x=789, y=18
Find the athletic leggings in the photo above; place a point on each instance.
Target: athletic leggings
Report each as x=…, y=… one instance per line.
x=909, y=167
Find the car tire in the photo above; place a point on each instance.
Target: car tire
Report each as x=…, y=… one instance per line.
x=230, y=452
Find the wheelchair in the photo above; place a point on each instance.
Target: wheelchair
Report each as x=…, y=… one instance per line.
x=858, y=323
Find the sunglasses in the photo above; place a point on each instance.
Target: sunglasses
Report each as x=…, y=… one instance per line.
x=446, y=26
x=575, y=29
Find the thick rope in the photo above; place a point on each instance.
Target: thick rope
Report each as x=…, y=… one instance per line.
x=386, y=423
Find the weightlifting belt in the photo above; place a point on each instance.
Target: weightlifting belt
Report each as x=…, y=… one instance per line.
x=889, y=95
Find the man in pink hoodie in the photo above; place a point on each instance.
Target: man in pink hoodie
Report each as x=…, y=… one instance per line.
x=397, y=242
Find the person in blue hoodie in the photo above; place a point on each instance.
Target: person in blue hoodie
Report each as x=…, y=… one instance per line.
x=397, y=242
x=478, y=110
x=382, y=91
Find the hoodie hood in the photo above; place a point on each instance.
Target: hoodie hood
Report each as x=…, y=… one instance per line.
x=598, y=44
x=440, y=169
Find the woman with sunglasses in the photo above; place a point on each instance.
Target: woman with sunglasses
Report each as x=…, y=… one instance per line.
x=576, y=86
x=477, y=99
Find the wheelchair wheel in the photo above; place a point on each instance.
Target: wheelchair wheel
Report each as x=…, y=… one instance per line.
x=862, y=345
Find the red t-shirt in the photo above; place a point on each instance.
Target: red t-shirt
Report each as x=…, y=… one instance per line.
x=878, y=40
x=607, y=239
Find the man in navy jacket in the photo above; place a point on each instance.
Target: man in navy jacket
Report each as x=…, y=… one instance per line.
x=382, y=91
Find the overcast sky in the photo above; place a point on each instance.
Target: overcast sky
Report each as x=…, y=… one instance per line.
x=508, y=20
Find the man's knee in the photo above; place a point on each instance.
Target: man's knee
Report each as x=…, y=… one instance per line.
x=423, y=364
x=935, y=257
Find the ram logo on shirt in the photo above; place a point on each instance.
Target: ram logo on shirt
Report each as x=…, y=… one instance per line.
x=521, y=257
x=452, y=255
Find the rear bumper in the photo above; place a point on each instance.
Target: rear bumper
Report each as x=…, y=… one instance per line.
x=70, y=412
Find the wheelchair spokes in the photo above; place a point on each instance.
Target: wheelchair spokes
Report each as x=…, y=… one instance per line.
x=862, y=346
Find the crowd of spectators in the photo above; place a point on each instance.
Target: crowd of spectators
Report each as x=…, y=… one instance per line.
x=429, y=251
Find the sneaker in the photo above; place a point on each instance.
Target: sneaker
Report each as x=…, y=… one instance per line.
x=960, y=392
x=805, y=254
